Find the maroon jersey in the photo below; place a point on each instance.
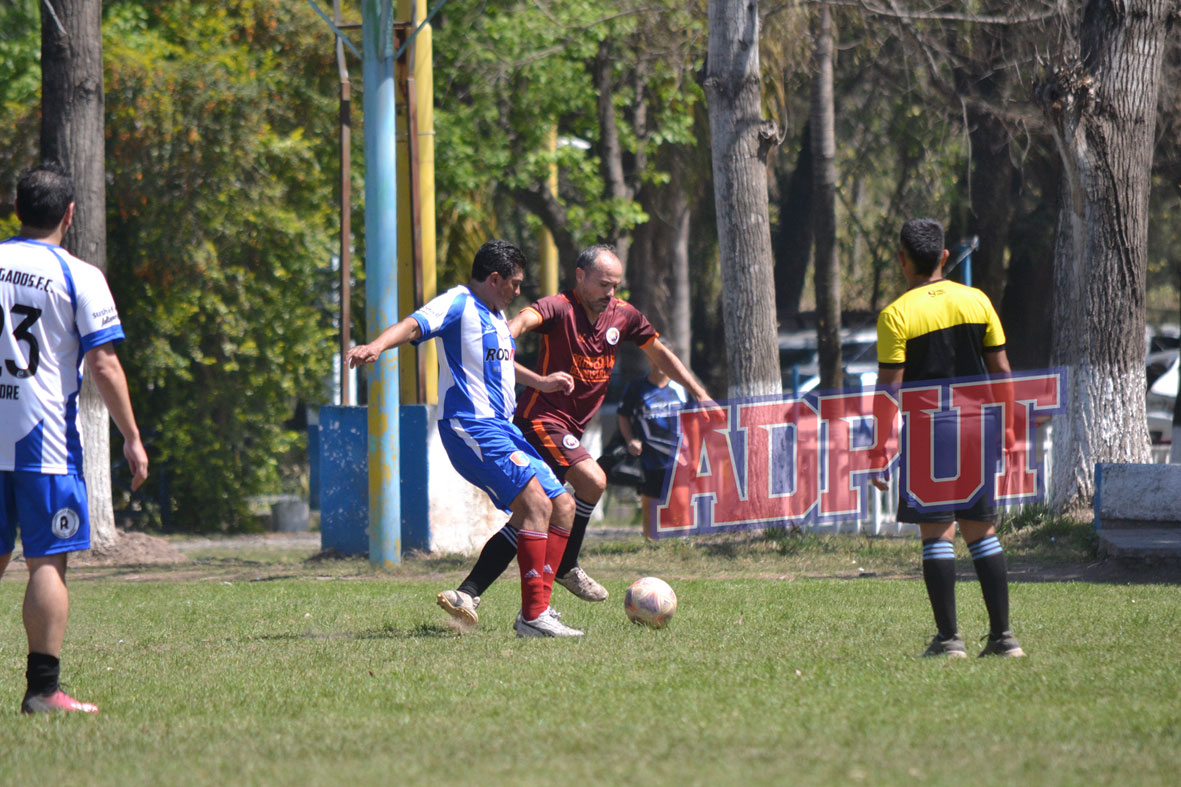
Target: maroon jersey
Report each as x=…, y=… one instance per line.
x=570, y=343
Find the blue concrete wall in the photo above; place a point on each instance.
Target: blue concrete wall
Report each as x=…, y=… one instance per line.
x=416, y=515
x=344, y=478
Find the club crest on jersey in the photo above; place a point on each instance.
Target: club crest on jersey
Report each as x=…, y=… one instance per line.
x=570, y=441
x=66, y=523
x=613, y=336
x=519, y=459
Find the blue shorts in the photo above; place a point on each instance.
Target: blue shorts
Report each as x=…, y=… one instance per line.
x=493, y=455
x=51, y=511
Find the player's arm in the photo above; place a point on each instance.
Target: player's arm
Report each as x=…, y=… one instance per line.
x=103, y=365
x=558, y=381
x=634, y=446
x=394, y=336
x=889, y=378
x=525, y=321
x=997, y=364
x=671, y=365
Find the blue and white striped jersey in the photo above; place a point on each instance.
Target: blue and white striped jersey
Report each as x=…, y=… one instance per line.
x=477, y=378
x=54, y=308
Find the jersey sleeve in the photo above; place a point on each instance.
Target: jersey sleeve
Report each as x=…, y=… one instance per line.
x=640, y=330
x=437, y=314
x=96, y=317
x=548, y=309
x=994, y=334
x=891, y=340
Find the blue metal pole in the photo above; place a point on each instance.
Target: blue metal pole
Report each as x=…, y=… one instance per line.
x=381, y=278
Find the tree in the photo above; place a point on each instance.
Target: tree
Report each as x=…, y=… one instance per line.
x=1101, y=103
x=221, y=153
x=824, y=218
x=741, y=141
x=72, y=133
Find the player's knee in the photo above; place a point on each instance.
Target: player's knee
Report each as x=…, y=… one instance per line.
x=563, y=509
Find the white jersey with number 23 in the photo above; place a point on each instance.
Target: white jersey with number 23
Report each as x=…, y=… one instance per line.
x=54, y=308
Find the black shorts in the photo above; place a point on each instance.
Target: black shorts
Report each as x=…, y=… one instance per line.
x=653, y=484
x=981, y=511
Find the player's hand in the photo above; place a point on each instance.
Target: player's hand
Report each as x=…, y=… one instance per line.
x=137, y=460
x=714, y=412
x=635, y=447
x=362, y=354
x=558, y=381
x=882, y=481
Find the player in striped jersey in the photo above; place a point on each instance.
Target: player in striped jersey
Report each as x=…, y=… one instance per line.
x=56, y=317
x=581, y=330
x=940, y=329
x=477, y=393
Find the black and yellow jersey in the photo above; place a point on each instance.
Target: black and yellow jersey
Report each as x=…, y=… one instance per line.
x=938, y=330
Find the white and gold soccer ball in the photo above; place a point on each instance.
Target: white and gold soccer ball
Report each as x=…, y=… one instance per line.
x=651, y=602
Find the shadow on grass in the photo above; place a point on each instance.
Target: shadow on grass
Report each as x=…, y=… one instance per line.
x=388, y=631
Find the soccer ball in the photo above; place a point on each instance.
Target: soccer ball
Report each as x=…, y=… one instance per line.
x=651, y=602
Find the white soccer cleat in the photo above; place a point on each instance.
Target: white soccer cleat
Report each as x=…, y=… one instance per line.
x=545, y=625
x=580, y=584
x=460, y=606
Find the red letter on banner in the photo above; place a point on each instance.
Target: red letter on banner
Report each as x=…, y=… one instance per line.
x=762, y=503
x=704, y=433
x=965, y=423
x=841, y=495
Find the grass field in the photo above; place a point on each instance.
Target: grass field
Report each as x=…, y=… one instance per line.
x=781, y=667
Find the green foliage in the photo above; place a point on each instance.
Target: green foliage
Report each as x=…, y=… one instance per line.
x=508, y=73
x=20, y=88
x=220, y=226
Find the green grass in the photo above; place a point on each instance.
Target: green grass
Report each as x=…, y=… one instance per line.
x=282, y=672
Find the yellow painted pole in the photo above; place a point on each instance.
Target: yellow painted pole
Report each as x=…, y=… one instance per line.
x=547, y=251
x=416, y=198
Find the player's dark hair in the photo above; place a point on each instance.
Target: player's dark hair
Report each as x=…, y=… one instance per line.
x=497, y=256
x=590, y=255
x=43, y=194
x=922, y=240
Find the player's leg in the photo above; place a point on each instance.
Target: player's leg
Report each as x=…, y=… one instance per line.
x=989, y=561
x=54, y=521
x=534, y=507
x=559, y=533
x=939, y=578
x=588, y=481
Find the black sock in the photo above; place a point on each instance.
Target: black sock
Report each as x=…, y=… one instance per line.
x=939, y=574
x=42, y=674
x=582, y=515
x=494, y=558
x=989, y=560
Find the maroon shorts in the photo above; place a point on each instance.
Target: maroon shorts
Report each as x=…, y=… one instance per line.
x=557, y=445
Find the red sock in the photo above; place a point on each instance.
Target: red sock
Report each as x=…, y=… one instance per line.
x=531, y=560
x=555, y=547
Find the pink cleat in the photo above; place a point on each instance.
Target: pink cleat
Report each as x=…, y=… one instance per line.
x=58, y=700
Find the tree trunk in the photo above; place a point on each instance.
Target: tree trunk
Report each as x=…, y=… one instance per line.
x=793, y=234
x=993, y=176
x=1103, y=110
x=1030, y=278
x=740, y=142
x=659, y=275
x=72, y=133
x=824, y=197
x=611, y=156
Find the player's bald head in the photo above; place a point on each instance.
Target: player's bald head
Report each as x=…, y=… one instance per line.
x=599, y=254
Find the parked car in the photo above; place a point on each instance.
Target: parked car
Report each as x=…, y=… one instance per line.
x=799, y=358
x=1164, y=377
